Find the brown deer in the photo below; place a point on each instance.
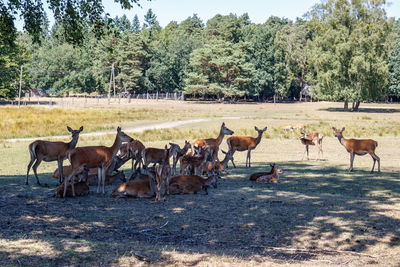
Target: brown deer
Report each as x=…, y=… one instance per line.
x=213, y=143
x=133, y=150
x=196, y=162
x=93, y=172
x=254, y=176
x=190, y=184
x=136, y=188
x=81, y=186
x=312, y=139
x=177, y=153
x=220, y=166
x=163, y=172
x=50, y=151
x=95, y=156
x=270, y=178
x=153, y=155
x=243, y=143
x=358, y=147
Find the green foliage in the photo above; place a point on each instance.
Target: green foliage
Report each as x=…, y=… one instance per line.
x=394, y=71
x=349, y=49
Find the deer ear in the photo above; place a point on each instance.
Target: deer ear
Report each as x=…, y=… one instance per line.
x=264, y=129
x=69, y=129
x=333, y=128
x=81, y=129
x=223, y=124
x=342, y=129
x=255, y=127
x=118, y=129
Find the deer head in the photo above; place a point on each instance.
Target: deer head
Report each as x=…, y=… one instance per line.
x=338, y=133
x=225, y=130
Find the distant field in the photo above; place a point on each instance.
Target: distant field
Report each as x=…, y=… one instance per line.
x=318, y=214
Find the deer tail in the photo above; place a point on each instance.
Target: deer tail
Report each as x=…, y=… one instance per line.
x=32, y=149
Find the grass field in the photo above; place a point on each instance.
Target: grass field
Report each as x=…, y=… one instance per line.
x=318, y=213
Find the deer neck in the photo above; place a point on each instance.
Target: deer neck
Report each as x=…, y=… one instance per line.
x=342, y=140
x=258, y=139
x=74, y=141
x=115, y=147
x=220, y=137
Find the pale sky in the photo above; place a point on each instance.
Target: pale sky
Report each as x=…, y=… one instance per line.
x=178, y=10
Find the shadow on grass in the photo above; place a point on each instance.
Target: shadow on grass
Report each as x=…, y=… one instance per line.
x=364, y=110
x=312, y=207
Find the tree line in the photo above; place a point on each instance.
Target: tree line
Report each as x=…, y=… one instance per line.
x=345, y=50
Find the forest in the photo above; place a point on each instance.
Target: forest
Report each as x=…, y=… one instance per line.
x=343, y=50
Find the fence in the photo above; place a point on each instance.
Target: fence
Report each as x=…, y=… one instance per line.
x=87, y=101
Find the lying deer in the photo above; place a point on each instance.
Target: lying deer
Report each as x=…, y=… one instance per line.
x=190, y=184
x=358, y=147
x=195, y=162
x=270, y=178
x=245, y=143
x=51, y=151
x=81, y=186
x=93, y=172
x=136, y=188
x=256, y=175
x=312, y=139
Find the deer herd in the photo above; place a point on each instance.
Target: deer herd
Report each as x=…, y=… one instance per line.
x=91, y=165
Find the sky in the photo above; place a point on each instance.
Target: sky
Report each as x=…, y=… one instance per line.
x=178, y=10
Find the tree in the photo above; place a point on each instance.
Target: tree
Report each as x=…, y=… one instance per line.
x=136, y=24
x=394, y=64
x=73, y=15
x=219, y=68
x=349, y=49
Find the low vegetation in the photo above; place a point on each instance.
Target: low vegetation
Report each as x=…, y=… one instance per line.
x=317, y=214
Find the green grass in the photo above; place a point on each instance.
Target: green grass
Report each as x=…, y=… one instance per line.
x=317, y=206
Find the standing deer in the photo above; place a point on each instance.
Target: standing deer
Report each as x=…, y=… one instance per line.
x=196, y=162
x=358, y=147
x=312, y=139
x=177, y=153
x=163, y=172
x=220, y=166
x=154, y=155
x=95, y=156
x=133, y=150
x=243, y=143
x=213, y=143
x=51, y=151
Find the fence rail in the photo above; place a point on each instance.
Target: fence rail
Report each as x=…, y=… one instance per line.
x=87, y=101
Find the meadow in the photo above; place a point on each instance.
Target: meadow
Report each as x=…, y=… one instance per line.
x=318, y=213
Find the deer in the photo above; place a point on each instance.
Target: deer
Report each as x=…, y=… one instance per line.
x=92, y=174
x=153, y=155
x=254, y=176
x=136, y=188
x=312, y=139
x=190, y=184
x=163, y=172
x=220, y=166
x=243, y=143
x=138, y=175
x=133, y=150
x=177, y=153
x=51, y=151
x=358, y=147
x=300, y=127
x=288, y=127
x=196, y=162
x=270, y=178
x=81, y=186
x=95, y=156
x=214, y=143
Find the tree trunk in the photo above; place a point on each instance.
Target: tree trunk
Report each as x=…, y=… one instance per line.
x=356, y=106
x=346, y=105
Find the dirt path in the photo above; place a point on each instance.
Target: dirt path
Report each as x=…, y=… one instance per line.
x=137, y=129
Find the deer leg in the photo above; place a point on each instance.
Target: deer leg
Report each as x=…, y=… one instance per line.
x=33, y=158
x=351, y=162
x=98, y=179
x=249, y=157
x=60, y=170
x=375, y=158
x=103, y=178
x=34, y=168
